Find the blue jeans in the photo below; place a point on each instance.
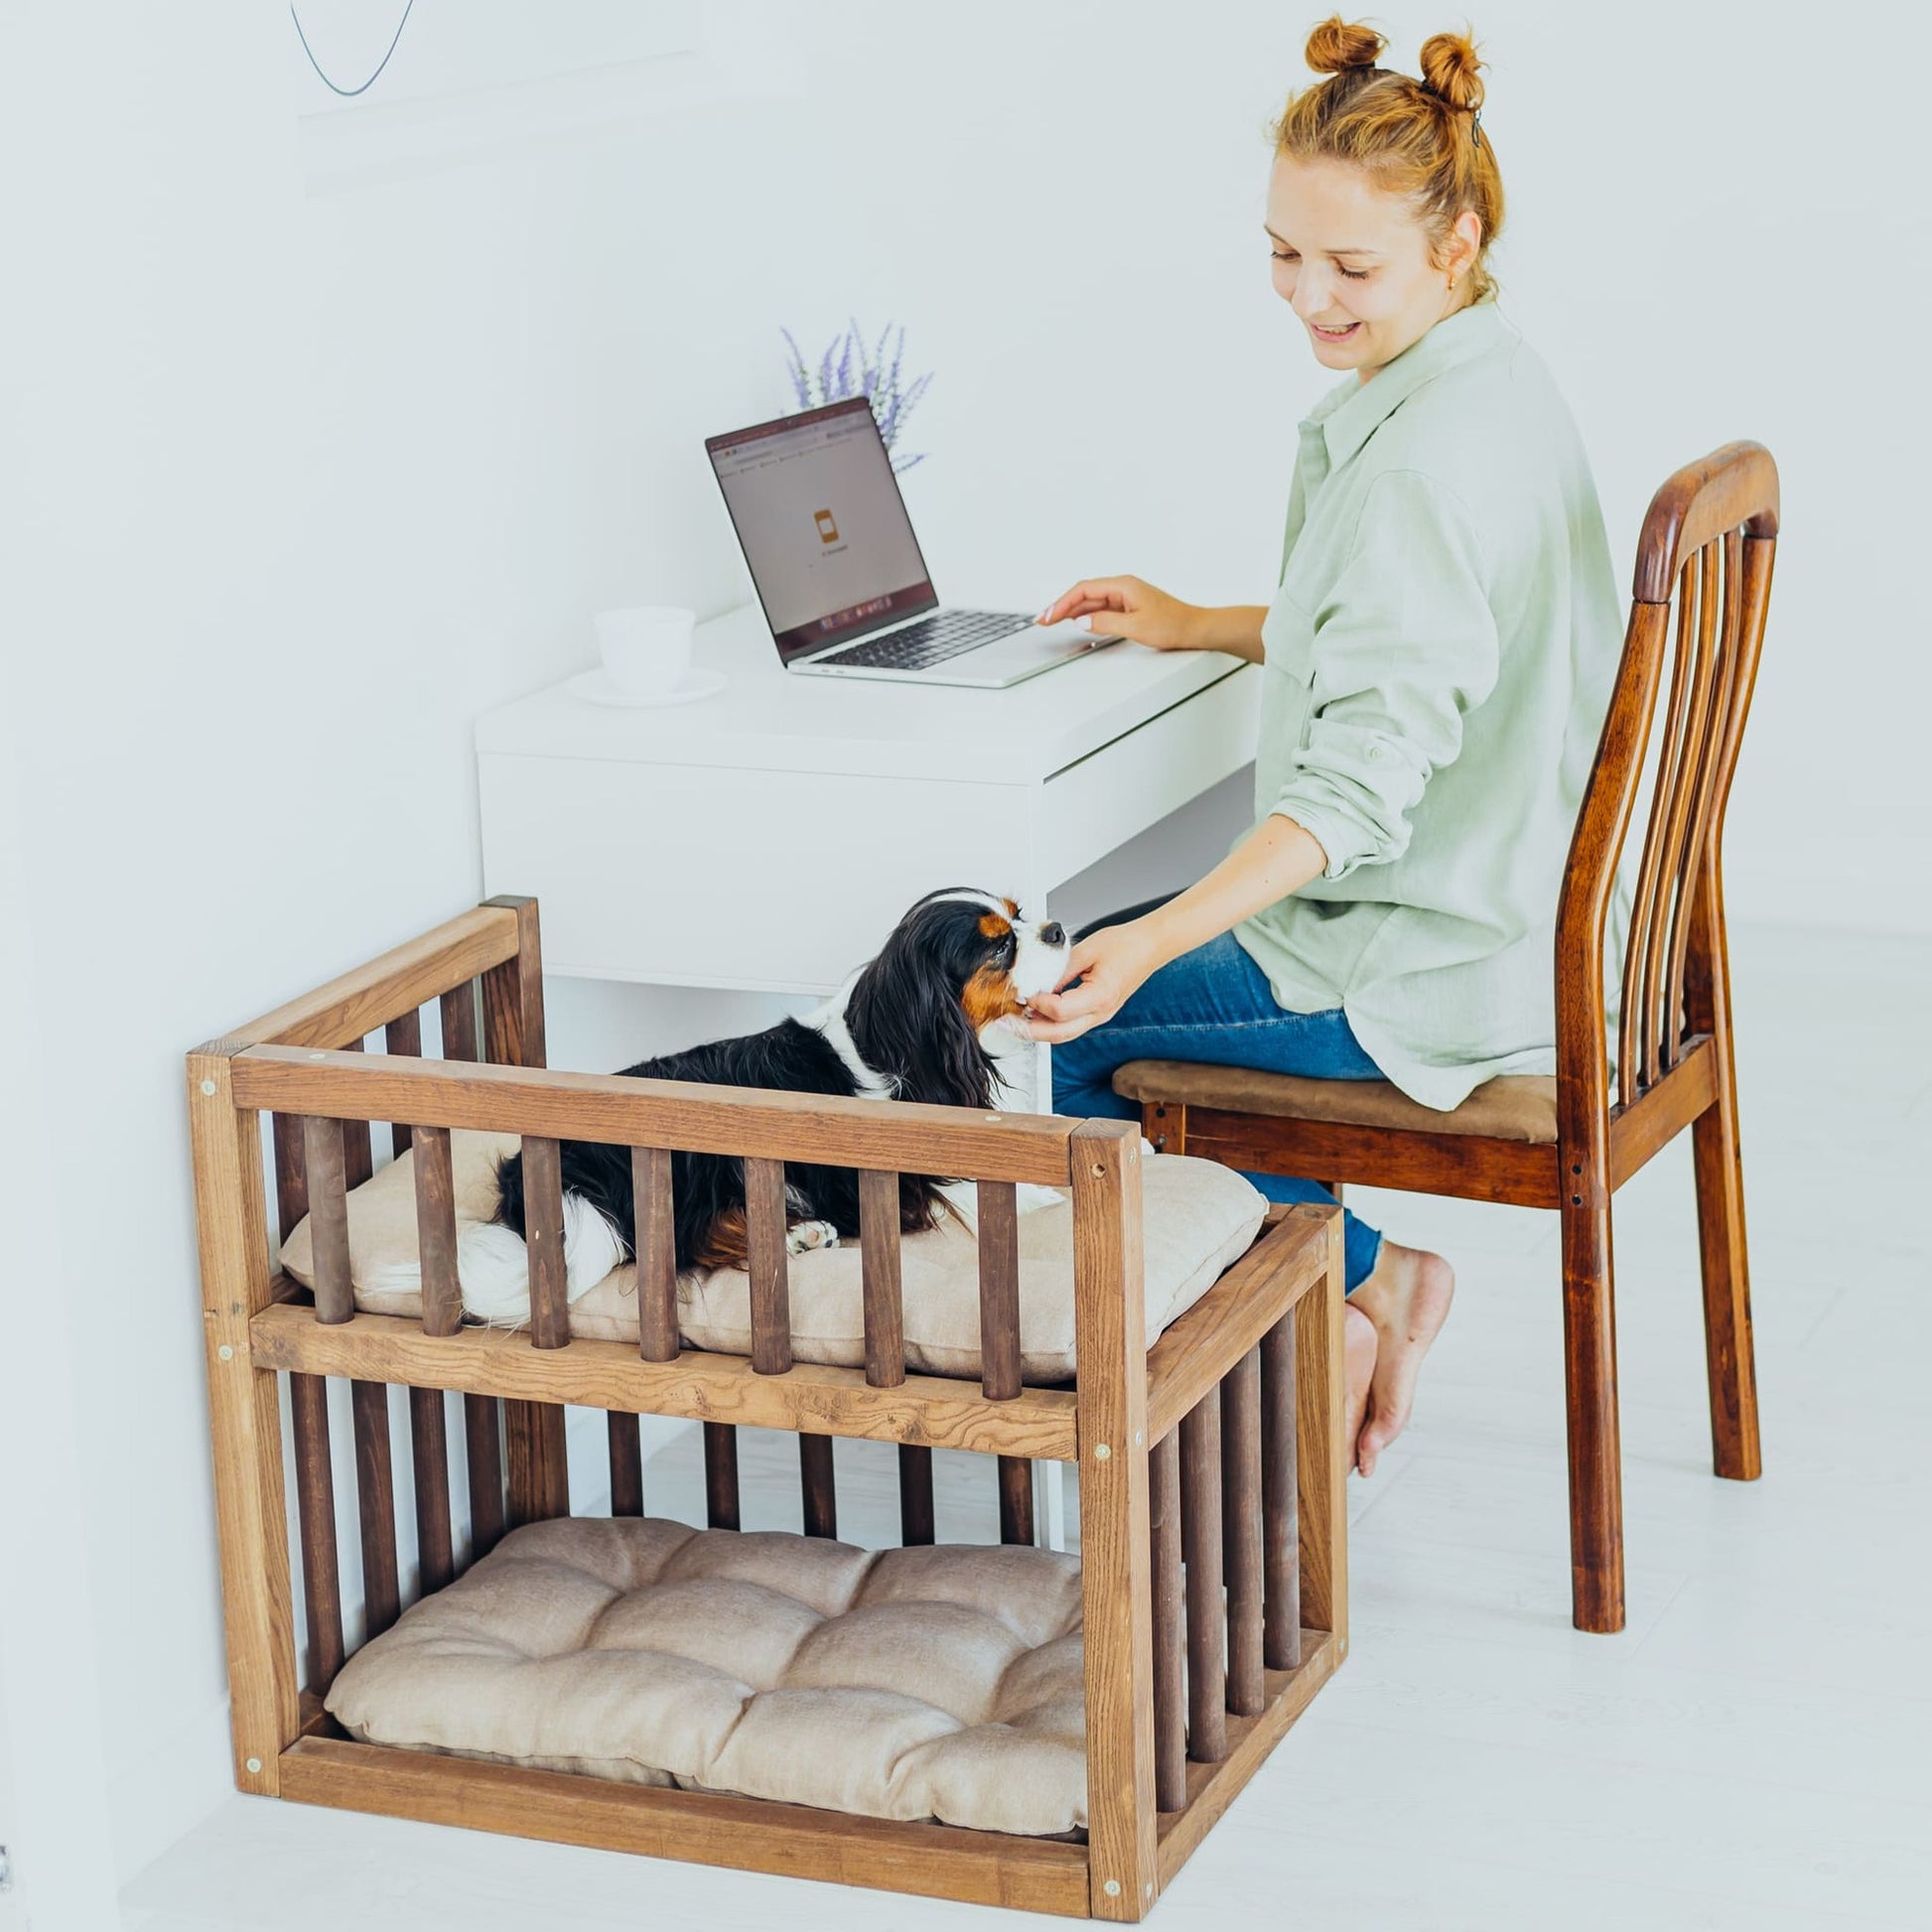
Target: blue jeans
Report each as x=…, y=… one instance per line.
x=1214, y=1005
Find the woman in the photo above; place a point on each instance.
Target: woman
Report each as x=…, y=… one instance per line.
x=1439, y=658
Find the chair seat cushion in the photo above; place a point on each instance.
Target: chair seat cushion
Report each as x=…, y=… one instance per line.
x=1514, y=1107
x=937, y=1683
x=1197, y=1218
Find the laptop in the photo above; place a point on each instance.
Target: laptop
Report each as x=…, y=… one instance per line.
x=845, y=590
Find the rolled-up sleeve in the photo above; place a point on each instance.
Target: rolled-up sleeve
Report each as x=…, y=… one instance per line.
x=1405, y=645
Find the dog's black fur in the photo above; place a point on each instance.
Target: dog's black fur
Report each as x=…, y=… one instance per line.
x=911, y=1023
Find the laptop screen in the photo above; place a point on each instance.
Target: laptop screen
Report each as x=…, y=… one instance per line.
x=822, y=525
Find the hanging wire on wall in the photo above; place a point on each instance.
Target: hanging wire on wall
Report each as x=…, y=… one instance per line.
x=350, y=93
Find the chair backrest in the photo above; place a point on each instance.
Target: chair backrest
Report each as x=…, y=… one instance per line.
x=1705, y=558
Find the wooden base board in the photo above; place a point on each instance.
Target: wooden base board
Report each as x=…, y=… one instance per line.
x=700, y=1826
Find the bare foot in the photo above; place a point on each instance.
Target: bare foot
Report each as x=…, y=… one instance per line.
x=1406, y=1297
x=1358, y=1365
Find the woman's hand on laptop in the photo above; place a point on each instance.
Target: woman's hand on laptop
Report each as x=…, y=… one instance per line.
x=1109, y=965
x=1125, y=607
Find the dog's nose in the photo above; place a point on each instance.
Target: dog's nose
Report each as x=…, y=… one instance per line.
x=1054, y=933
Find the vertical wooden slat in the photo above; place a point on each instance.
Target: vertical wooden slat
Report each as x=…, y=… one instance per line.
x=314, y=1477
x=539, y=1469
x=245, y=1423
x=359, y=1149
x=403, y=1035
x=1281, y=1544
x=483, y=1442
x=513, y=1036
x=315, y=1503
x=998, y=1252
x=435, y=1181
x=721, y=1475
x=1200, y=1550
x=655, y=1247
x=1170, y=1725
x=1016, y=1499
x=916, y=1514
x=375, y=1500
x=764, y=1223
x=1241, y=1534
x=627, y=1465
x=880, y=1265
x=429, y=1443
x=1110, y=1344
x=544, y=1240
x=816, y=1485
x=328, y=1219
x=458, y=1010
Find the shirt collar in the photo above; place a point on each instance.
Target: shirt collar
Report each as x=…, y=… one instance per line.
x=1352, y=411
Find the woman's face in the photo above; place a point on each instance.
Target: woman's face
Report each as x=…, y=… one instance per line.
x=1355, y=265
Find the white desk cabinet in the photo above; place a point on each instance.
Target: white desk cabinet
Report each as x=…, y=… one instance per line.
x=769, y=837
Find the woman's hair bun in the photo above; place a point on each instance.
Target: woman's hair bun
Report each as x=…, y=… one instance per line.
x=1338, y=45
x=1449, y=67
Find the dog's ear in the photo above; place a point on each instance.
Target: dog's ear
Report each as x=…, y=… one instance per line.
x=910, y=1027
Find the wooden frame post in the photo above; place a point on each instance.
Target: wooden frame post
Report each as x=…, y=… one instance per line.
x=1116, y=1575
x=245, y=1423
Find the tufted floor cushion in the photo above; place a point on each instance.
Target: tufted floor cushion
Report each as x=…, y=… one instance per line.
x=1512, y=1107
x=942, y=1682
x=1197, y=1217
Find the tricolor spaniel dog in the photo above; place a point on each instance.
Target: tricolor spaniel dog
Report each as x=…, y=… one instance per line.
x=920, y=1023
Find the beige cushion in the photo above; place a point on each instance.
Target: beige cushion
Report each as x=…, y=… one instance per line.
x=1514, y=1107
x=942, y=1682
x=1197, y=1218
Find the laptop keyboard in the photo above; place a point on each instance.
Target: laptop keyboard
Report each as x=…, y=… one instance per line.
x=931, y=640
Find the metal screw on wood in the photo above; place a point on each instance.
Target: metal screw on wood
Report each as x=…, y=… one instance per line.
x=1101, y=1453
x=1112, y=1888
x=254, y=1764
x=208, y=1087
x=225, y=1352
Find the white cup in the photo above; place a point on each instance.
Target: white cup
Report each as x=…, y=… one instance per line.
x=647, y=647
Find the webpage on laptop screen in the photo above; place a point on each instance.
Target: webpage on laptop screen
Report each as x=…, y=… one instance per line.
x=822, y=525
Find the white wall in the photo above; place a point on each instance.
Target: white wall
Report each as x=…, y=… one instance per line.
x=299, y=484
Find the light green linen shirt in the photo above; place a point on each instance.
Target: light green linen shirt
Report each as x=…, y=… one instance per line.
x=1438, y=662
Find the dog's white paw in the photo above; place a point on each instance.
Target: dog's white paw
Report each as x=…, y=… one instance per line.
x=802, y=1237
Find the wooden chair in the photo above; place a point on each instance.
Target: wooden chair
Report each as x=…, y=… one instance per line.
x=1567, y=1143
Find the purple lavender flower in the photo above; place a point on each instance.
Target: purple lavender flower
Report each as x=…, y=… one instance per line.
x=846, y=370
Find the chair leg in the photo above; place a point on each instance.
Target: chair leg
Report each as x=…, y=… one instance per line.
x=1595, y=1453
x=1729, y=1358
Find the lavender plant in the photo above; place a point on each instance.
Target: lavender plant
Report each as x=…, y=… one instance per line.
x=845, y=370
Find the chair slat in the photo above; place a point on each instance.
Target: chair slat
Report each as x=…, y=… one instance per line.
x=1201, y=1546
x=543, y=1237
x=1169, y=1722
x=915, y=1512
x=1280, y=1502
x=483, y=1442
x=375, y=1498
x=1016, y=1499
x=627, y=1464
x=765, y=1226
x=885, y=1303
x=328, y=1191
x=429, y=1443
x=817, y=1486
x=1241, y=1533
x=999, y=1253
x=654, y=1243
x=435, y=1181
x=721, y=1475
x=403, y=1035
x=358, y=1151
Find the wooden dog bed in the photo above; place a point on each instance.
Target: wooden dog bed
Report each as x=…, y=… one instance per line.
x=1211, y=1578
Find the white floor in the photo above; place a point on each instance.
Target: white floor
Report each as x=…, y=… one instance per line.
x=1755, y=1750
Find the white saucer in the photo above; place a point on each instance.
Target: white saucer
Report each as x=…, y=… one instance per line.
x=596, y=687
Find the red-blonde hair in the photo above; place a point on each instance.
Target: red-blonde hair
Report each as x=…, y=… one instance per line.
x=1417, y=139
